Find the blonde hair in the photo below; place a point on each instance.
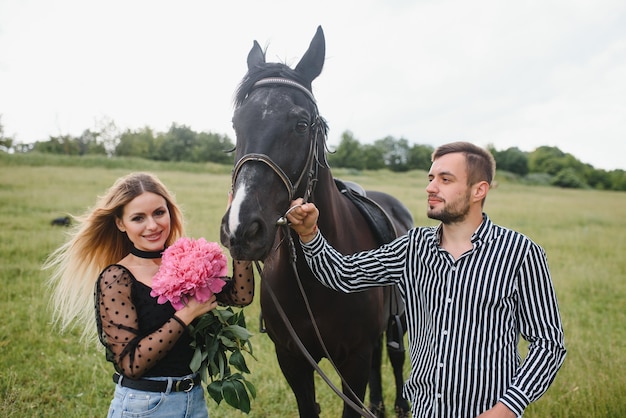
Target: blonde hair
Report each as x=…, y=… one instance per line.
x=96, y=242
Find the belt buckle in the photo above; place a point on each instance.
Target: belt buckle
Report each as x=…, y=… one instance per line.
x=191, y=384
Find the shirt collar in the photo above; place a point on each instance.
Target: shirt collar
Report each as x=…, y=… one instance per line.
x=482, y=234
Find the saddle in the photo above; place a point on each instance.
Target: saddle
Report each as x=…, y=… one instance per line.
x=377, y=218
x=384, y=232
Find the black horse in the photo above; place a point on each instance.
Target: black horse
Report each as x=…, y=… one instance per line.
x=281, y=155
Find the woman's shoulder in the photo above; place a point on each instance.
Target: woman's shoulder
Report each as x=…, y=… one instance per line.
x=115, y=273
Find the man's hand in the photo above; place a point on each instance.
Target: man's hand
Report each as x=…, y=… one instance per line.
x=499, y=410
x=303, y=219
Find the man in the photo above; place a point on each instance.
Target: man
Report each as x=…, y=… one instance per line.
x=470, y=287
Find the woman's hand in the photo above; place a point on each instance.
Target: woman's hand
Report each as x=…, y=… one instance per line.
x=194, y=309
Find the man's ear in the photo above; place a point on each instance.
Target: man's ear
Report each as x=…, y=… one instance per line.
x=480, y=191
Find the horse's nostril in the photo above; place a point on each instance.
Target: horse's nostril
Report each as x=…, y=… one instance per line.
x=254, y=230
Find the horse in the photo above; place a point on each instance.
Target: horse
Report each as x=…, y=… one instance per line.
x=280, y=154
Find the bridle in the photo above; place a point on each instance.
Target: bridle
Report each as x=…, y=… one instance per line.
x=310, y=168
x=309, y=172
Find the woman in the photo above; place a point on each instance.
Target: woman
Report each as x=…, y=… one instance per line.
x=117, y=248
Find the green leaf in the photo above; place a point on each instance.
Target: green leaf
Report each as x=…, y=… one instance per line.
x=235, y=395
x=244, y=399
x=238, y=361
x=196, y=360
x=212, y=349
x=223, y=314
x=251, y=388
x=227, y=342
x=219, y=339
x=230, y=393
x=215, y=391
x=238, y=332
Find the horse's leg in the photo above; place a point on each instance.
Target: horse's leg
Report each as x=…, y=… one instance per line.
x=377, y=403
x=396, y=354
x=299, y=375
x=355, y=371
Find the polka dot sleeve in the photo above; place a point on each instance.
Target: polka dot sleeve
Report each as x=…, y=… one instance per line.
x=238, y=291
x=132, y=350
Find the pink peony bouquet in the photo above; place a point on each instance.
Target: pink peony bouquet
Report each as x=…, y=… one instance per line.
x=190, y=268
x=197, y=268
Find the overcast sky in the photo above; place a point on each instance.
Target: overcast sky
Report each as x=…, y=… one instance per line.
x=507, y=73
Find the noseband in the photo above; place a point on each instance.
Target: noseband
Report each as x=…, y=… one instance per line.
x=309, y=169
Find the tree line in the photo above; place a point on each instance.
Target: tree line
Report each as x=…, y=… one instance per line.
x=545, y=165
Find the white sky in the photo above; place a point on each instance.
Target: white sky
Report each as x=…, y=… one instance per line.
x=507, y=73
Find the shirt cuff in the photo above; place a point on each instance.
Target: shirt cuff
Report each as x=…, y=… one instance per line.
x=515, y=400
x=314, y=245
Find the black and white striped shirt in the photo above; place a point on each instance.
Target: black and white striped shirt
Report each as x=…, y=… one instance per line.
x=464, y=316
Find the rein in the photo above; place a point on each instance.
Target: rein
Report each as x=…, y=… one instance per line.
x=310, y=171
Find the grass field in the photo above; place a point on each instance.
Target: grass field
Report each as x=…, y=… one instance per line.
x=47, y=374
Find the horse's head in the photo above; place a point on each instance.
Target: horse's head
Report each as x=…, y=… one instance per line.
x=280, y=139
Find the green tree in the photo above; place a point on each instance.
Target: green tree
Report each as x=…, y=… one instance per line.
x=618, y=180
x=140, y=143
x=395, y=153
x=419, y=157
x=6, y=143
x=212, y=147
x=176, y=144
x=348, y=154
x=568, y=178
x=58, y=145
x=372, y=157
x=511, y=159
x=89, y=143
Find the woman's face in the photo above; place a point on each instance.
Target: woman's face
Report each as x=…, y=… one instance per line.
x=146, y=221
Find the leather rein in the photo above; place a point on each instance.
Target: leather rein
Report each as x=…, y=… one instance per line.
x=310, y=173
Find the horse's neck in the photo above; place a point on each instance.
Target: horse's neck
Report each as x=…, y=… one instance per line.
x=327, y=196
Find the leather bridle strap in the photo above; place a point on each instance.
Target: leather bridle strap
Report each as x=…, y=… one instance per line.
x=308, y=169
x=271, y=164
x=285, y=82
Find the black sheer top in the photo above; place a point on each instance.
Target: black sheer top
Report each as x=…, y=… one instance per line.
x=143, y=337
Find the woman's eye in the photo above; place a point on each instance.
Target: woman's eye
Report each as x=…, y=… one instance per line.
x=302, y=126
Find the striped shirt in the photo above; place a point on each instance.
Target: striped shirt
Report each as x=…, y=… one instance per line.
x=464, y=316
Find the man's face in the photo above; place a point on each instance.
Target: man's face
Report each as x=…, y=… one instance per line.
x=448, y=192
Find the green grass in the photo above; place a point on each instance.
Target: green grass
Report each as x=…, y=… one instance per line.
x=47, y=374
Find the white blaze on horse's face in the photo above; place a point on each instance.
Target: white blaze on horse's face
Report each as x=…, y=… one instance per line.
x=235, y=207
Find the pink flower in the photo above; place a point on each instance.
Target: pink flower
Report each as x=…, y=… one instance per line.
x=189, y=268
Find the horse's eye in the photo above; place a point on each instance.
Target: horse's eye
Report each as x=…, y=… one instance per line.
x=302, y=126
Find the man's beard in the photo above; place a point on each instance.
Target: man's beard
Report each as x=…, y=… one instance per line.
x=454, y=212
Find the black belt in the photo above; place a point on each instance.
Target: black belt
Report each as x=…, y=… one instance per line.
x=184, y=385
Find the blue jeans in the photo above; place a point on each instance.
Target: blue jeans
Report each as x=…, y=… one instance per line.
x=136, y=403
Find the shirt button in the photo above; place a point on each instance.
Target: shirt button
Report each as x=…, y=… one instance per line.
x=440, y=364
x=449, y=300
x=439, y=396
x=445, y=332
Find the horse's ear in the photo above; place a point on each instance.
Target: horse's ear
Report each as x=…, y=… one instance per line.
x=256, y=56
x=310, y=66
